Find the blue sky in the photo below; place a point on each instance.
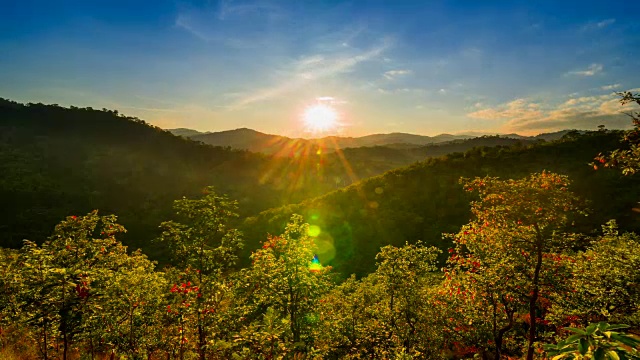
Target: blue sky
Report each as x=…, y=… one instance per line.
x=424, y=67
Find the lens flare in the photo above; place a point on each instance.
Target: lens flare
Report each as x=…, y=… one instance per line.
x=314, y=230
x=315, y=265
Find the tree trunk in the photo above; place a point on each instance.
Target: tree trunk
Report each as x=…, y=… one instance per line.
x=534, y=299
x=45, y=353
x=63, y=326
x=182, y=338
x=201, y=340
x=499, y=334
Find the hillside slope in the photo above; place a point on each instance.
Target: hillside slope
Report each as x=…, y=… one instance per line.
x=422, y=201
x=57, y=161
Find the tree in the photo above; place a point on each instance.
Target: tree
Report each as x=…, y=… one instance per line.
x=404, y=272
x=63, y=281
x=513, y=240
x=282, y=279
x=626, y=159
x=384, y=314
x=205, y=247
x=604, y=281
x=131, y=309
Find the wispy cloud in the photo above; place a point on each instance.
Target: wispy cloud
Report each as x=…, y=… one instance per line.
x=593, y=69
x=392, y=74
x=230, y=8
x=305, y=71
x=516, y=110
x=330, y=100
x=595, y=25
x=416, y=91
x=184, y=22
x=610, y=87
x=220, y=24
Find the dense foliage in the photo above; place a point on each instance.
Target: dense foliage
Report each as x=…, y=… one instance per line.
x=515, y=279
x=523, y=272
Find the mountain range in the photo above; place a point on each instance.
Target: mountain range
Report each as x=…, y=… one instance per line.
x=255, y=141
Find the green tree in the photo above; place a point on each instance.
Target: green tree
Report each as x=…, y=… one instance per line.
x=63, y=281
x=517, y=229
x=626, y=159
x=283, y=279
x=604, y=281
x=204, y=246
x=384, y=314
x=130, y=313
x=404, y=272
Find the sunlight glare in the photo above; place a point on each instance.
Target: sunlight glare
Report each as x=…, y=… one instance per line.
x=320, y=118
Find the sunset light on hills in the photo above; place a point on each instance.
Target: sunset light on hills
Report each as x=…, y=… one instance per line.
x=320, y=179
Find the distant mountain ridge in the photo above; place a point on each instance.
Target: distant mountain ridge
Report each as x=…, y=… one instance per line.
x=255, y=141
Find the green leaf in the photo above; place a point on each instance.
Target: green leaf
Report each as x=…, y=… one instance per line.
x=573, y=338
x=598, y=354
x=576, y=330
x=618, y=327
x=583, y=346
x=613, y=355
x=626, y=340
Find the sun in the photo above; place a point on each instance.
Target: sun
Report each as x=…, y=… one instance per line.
x=320, y=118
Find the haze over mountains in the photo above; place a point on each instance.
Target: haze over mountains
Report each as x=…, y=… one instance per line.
x=252, y=140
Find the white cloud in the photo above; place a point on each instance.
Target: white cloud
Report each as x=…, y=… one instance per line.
x=415, y=91
x=392, y=74
x=304, y=71
x=307, y=62
x=610, y=87
x=585, y=112
x=596, y=25
x=605, y=23
x=516, y=110
x=590, y=71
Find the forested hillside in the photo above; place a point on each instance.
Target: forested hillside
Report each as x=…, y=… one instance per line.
x=423, y=201
x=57, y=161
